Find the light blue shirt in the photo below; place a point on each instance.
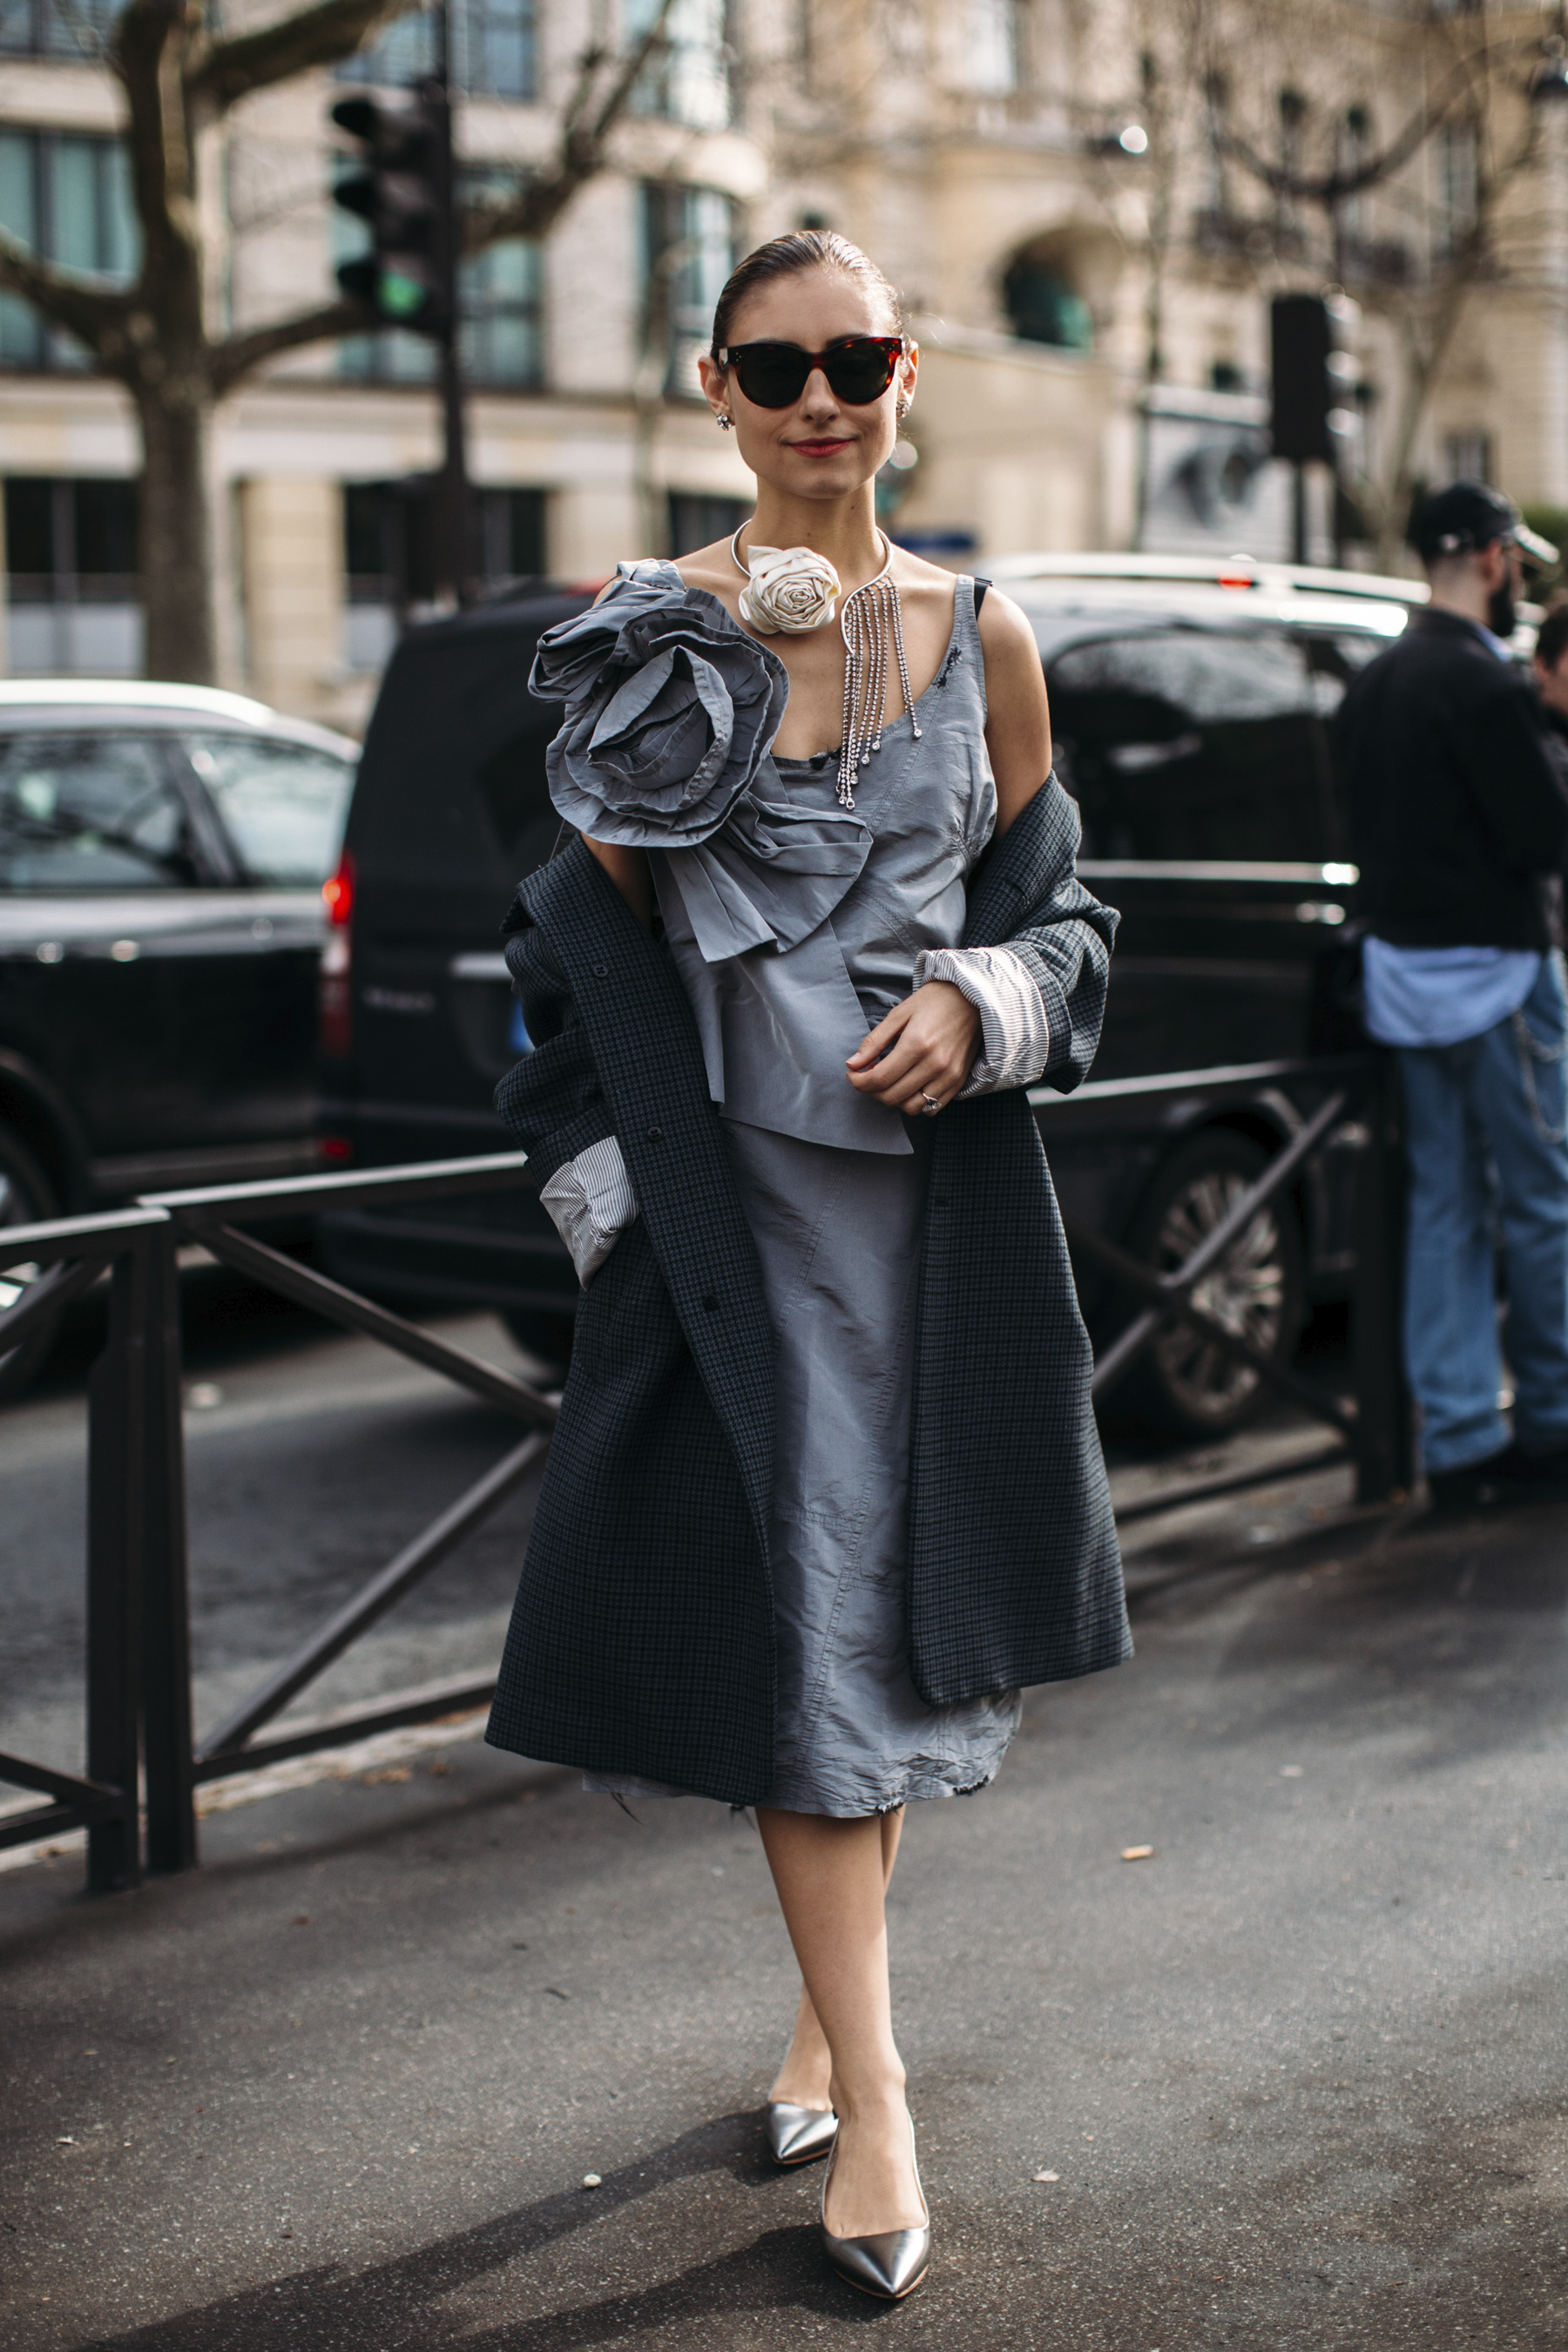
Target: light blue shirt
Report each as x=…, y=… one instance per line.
x=1439, y=996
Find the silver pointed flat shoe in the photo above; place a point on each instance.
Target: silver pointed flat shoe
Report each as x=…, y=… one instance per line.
x=891, y=2262
x=799, y=2135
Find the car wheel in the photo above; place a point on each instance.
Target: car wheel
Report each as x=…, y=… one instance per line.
x=1187, y=1383
x=27, y=1198
x=542, y=1334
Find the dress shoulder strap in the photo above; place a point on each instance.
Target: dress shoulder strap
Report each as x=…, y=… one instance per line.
x=968, y=595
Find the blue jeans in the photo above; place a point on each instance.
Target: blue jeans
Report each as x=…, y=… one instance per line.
x=1485, y=1124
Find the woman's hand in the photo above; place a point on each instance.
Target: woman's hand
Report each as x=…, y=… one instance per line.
x=926, y=1046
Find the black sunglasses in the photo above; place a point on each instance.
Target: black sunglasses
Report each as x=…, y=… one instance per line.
x=858, y=368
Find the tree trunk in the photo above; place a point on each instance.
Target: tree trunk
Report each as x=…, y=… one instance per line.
x=174, y=407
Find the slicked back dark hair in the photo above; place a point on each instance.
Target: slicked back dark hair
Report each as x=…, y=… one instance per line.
x=1552, y=640
x=786, y=257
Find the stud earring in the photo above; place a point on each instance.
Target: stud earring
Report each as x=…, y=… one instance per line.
x=905, y=405
x=723, y=420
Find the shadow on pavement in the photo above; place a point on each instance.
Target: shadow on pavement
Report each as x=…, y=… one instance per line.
x=1462, y=1621
x=331, y=2309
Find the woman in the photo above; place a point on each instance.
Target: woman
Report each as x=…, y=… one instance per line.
x=826, y=1490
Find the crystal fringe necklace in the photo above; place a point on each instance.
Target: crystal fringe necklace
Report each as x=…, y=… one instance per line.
x=871, y=625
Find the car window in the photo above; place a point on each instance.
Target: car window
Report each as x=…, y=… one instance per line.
x=283, y=804
x=89, y=812
x=1185, y=744
x=1337, y=658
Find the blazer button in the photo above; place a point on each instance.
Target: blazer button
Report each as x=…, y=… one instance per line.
x=712, y=1305
x=655, y=1134
x=601, y=972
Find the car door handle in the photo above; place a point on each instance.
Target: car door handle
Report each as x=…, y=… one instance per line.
x=478, y=967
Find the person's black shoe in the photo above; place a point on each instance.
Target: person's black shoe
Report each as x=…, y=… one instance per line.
x=1533, y=1471
x=1478, y=1486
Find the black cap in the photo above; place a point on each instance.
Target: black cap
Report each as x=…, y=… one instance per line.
x=1471, y=515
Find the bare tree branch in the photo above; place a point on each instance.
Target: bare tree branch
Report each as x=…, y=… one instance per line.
x=540, y=200
x=90, y=311
x=318, y=36
x=1453, y=100
x=238, y=355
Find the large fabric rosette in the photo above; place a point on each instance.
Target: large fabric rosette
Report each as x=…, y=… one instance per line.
x=671, y=709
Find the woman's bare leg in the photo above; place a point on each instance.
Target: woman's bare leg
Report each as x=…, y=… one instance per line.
x=805, y=2077
x=831, y=1877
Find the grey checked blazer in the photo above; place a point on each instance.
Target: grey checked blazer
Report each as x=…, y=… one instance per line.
x=642, y=1637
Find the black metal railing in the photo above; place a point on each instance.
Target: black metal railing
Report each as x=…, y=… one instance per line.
x=1359, y=1112
x=144, y=1762
x=126, y=1404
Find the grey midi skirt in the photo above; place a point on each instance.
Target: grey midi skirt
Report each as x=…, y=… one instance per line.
x=838, y=1234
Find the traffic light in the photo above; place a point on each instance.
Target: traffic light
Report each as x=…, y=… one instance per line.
x=1313, y=413
x=402, y=194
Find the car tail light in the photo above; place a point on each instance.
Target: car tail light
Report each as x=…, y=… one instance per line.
x=335, y=997
x=336, y=1149
x=339, y=891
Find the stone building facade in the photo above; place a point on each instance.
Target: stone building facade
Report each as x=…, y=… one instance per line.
x=1073, y=196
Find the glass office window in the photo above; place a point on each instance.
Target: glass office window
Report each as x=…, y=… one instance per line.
x=692, y=243
x=66, y=196
x=688, y=77
x=494, y=50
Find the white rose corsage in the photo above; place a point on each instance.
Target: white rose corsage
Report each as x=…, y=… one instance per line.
x=791, y=590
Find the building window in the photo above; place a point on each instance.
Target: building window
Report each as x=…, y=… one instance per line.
x=502, y=330
x=69, y=198
x=697, y=521
x=1045, y=308
x=388, y=555
x=690, y=244
x=1355, y=156
x=75, y=30
x=990, y=63
x=1216, y=129
x=71, y=587
x=494, y=50
x=501, y=337
x=1468, y=457
x=1459, y=187
x=688, y=79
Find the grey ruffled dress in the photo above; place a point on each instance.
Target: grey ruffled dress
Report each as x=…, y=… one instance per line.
x=795, y=926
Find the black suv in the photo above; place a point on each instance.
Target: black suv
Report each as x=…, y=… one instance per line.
x=162, y=850
x=1190, y=709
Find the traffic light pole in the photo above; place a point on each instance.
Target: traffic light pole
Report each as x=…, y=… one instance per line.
x=454, y=553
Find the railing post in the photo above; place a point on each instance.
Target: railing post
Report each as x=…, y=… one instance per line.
x=1386, y=1436
x=117, y=1403
x=166, y=1671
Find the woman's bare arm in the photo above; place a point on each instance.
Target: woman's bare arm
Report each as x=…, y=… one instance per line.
x=1018, y=716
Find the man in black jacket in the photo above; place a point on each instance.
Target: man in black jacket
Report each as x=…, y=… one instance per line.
x=1460, y=823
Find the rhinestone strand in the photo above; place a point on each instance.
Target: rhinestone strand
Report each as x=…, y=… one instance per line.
x=870, y=618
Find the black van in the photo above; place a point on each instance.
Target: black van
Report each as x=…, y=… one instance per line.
x=1189, y=710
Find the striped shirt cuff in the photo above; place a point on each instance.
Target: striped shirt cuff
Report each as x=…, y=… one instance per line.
x=591, y=1203
x=1014, y=1032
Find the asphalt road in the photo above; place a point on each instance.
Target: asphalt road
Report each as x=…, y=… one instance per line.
x=1300, y=2075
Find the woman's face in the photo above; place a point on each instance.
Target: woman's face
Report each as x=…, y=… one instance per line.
x=818, y=447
